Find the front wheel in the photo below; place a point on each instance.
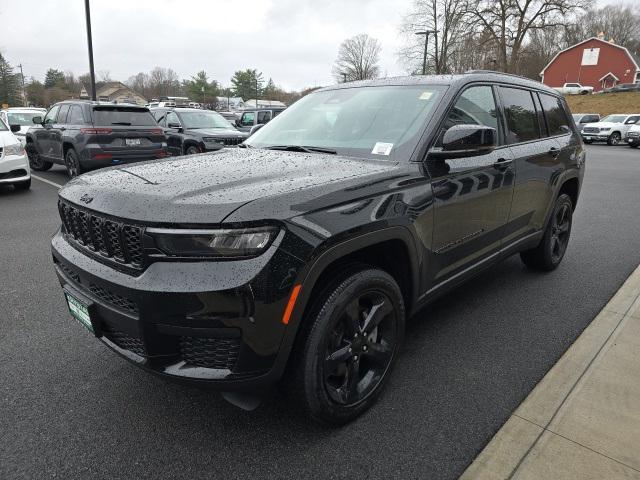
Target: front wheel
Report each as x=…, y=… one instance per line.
x=72, y=162
x=551, y=249
x=614, y=139
x=349, y=346
x=633, y=145
x=192, y=150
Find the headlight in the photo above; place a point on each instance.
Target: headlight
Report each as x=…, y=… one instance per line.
x=14, y=149
x=245, y=242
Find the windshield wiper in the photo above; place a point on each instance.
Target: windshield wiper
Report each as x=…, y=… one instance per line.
x=301, y=148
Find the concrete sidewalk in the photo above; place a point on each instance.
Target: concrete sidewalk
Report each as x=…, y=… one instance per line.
x=582, y=421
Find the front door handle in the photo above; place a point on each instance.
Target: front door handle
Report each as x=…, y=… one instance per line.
x=554, y=152
x=502, y=163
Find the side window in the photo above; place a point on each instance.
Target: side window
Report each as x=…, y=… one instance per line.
x=632, y=120
x=276, y=113
x=264, y=117
x=172, y=118
x=476, y=106
x=75, y=116
x=247, y=119
x=62, y=114
x=590, y=119
x=521, y=115
x=557, y=121
x=50, y=118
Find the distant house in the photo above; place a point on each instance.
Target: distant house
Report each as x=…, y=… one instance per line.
x=593, y=62
x=230, y=103
x=115, y=92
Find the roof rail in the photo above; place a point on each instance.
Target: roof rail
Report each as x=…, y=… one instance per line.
x=469, y=72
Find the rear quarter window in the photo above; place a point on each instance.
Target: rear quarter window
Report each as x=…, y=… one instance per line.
x=123, y=116
x=556, y=117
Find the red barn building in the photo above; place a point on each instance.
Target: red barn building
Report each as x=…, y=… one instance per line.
x=593, y=62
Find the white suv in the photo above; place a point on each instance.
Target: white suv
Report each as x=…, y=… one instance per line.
x=611, y=129
x=14, y=164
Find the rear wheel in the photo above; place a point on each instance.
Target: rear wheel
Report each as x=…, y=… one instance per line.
x=614, y=139
x=24, y=185
x=549, y=253
x=72, y=162
x=192, y=150
x=35, y=160
x=349, y=346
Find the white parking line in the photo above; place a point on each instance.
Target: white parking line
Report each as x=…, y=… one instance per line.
x=57, y=185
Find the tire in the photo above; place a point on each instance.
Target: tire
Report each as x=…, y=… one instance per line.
x=551, y=249
x=72, y=162
x=192, y=150
x=342, y=361
x=633, y=145
x=24, y=185
x=584, y=92
x=614, y=139
x=35, y=160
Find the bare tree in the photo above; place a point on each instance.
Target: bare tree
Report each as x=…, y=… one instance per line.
x=446, y=17
x=509, y=22
x=620, y=23
x=357, y=59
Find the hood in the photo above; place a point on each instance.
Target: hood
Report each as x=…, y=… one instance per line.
x=217, y=132
x=207, y=188
x=603, y=124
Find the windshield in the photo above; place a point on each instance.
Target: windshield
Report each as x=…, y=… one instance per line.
x=614, y=119
x=191, y=120
x=123, y=116
x=3, y=127
x=373, y=122
x=21, y=118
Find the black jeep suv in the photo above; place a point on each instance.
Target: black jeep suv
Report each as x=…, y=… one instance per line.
x=84, y=135
x=299, y=256
x=191, y=130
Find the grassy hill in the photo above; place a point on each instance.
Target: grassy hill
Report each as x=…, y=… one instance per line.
x=605, y=103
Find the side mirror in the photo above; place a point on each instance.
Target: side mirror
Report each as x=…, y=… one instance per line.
x=37, y=120
x=462, y=141
x=174, y=125
x=255, y=128
x=15, y=128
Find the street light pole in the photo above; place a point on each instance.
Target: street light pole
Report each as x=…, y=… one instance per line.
x=92, y=73
x=426, y=34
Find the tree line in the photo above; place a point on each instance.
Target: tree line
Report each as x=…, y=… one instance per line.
x=513, y=36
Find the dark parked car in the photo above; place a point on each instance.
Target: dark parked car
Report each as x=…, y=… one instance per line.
x=299, y=256
x=252, y=118
x=85, y=135
x=581, y=119
x=624, y=87
x=192, y=130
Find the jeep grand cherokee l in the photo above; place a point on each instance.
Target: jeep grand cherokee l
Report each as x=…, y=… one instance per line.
x=299, y=257
x=83, y=135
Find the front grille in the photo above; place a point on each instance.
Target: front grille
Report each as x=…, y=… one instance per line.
x=115, y=241
x=20, y=172
x=124, y=340
x=114, y=299
x=221, y=353
x=233, y=140
x=634, y=134
x=591, y=130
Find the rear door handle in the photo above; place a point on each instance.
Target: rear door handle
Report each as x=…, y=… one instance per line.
x=554, y=152
x=502, y=163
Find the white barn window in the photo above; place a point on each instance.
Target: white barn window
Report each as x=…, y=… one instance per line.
x=590, y=56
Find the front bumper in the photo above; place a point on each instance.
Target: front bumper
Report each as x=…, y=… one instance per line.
x=14, y=168
x=633, y=141
x=217, y=323
x=94, y=156
x=595, y=137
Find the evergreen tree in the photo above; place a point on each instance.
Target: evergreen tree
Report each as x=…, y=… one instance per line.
x=247, y=83
x=54, y=78
x=9, y=84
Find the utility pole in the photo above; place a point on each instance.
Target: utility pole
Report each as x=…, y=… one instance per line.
x=24, y=95
x=256, y=92
x=426, y=34
x=92, y=73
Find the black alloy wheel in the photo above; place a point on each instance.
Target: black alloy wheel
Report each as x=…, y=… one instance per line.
x=359, y=348
x=551, y=249
x=347, y=345
x=72, y=163
x=35, y=160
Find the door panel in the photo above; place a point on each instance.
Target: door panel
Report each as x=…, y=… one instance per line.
x=43, y=135
x=472, y=196
x=56, y=133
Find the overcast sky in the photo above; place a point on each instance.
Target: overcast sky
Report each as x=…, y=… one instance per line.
x=293, y=41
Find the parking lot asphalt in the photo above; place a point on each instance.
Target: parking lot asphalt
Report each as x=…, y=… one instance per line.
x=70, y=408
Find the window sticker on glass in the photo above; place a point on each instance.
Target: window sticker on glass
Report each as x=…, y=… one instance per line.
x=426, y=95
x=381, y=148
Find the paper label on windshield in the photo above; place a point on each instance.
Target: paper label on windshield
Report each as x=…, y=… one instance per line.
x=426, y=95
x=381, y=148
